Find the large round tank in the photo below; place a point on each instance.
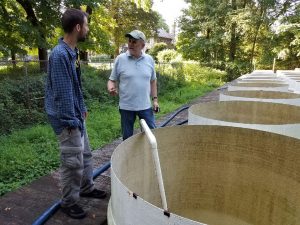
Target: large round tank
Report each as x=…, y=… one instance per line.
x=212, y=174
x=267, y=116
x=261, y=96
x=254, y=77
x=258, y=86
x=274, y=81
x=294, y=84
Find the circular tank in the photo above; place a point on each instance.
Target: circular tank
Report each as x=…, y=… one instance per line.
x=263, y=72
x=261, y=96
x=294, y=84
x=213, y=175
x=274, y=81
x=291, y=73
x=258, y=86
x=253, y=77
x=267, y=116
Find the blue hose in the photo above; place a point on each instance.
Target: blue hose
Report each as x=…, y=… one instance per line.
x=52, y=209
x=101, y=169
x=47, y=214
x=175, y=114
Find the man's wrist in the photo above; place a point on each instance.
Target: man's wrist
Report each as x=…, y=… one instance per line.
x=154, y=98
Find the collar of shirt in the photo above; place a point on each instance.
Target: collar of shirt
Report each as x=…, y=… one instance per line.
x=129, y=55
x=72, y=52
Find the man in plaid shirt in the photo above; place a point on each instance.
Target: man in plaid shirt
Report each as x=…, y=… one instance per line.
x=66, y=111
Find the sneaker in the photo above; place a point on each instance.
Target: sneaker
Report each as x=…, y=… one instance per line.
x=74, y=211
x=96, y=193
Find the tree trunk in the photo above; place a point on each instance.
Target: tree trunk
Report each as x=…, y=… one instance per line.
x=207, y=51
x=13, y=59
x=233, y=43
x=31, y=17
x=83, y=56
x=43, y=57
x=116, y=52
x=255, y=36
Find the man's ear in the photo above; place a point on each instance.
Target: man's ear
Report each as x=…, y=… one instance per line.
x=77, y=27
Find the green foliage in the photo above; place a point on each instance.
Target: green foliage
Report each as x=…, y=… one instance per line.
x=203, y=75
x=94, y=86
x=181, y=74
x=36, y=24
x=288, y=40
x=162, y=23
x=126, y=16
x=235, y=70
x=100, y=25
x=21, y=102
x=241, y=32
x=27, y=154
x=167, y=55
x=156, y=49
x=22, y=97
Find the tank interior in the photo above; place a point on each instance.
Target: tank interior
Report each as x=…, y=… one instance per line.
x=249, y=112
x=217, y=175
x=263, y=94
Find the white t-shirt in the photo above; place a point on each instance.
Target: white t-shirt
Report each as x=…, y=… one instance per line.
x=134, y=76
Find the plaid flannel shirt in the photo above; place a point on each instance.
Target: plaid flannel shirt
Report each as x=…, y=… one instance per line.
x=64, y=102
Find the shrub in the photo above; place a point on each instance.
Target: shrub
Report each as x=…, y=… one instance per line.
x=167, y=55
x=21, y=102
x=236, y=69
x=156, y=49
x=22, y=98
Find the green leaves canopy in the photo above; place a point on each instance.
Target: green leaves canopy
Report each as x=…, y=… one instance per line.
x=239, y=31
x=36, y=24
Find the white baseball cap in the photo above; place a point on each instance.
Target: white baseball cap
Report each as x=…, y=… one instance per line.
x=136, y=34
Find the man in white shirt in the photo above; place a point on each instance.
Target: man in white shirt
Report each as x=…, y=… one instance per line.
x=134, y=78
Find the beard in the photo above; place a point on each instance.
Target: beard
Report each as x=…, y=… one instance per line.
x=82, y=37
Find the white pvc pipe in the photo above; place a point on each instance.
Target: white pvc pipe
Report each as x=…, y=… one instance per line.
x=155, y=155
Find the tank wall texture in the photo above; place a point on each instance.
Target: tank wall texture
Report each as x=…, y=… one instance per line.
x=259, y=86
x=273, y=117
x=247, y=112
x=274, y=81
x=254, y=84
x=263, y=96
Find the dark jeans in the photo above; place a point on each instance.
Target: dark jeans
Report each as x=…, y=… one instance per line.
x=128, y=119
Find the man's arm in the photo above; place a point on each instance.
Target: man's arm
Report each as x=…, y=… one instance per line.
x=153, y=85
x=63, y=94
x=111, y=87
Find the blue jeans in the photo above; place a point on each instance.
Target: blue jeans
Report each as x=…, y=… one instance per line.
x=128, y=119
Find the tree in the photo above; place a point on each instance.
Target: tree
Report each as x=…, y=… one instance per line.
x=288, y=38
x=236, y=31
x=12, y=30
x=127, y=16
x=162, y=22
x=203, y=29
x=36, y=24
x=41, y=16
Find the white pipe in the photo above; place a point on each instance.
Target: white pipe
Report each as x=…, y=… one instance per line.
x=153, y=144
